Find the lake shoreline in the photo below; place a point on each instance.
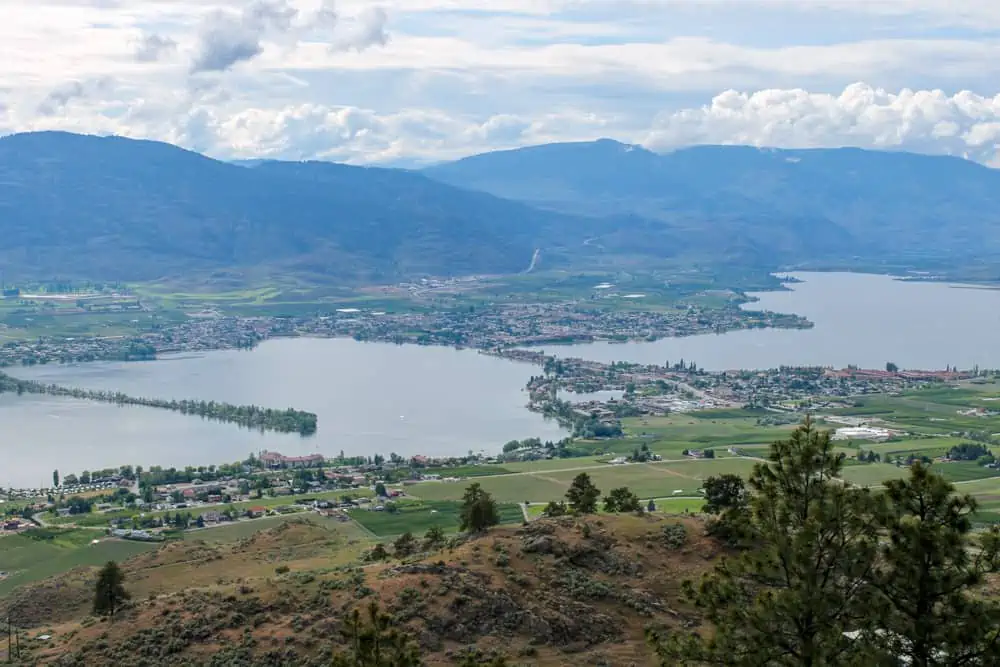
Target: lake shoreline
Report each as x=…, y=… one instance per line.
x=416, y=398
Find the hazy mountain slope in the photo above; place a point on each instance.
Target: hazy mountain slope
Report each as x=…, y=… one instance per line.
x=74, y=205
x=788, y=204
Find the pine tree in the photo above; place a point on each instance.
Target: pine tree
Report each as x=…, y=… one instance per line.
x=434, y=537
x=622, y=500
x=789, y=600
x=479, y=510
x=582, y=495
x=928, y=567
x=554, y=509
x=109, y=592
x=405, y=545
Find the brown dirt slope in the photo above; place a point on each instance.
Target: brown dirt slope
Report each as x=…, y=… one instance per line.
x=555, y=592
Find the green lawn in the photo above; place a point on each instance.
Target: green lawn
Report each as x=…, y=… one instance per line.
x=417, y=516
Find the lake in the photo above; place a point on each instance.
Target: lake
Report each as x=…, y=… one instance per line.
x=380, y=398
x=371, y=398
x=860, y=319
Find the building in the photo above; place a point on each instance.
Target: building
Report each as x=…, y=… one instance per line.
x=862, y=433
x=275, y=460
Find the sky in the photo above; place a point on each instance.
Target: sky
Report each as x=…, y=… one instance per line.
x=411, y=82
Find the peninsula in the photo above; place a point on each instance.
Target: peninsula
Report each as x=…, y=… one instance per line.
x=247, y=416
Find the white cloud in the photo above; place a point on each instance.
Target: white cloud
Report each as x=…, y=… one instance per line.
x=296, y=78
x=152, y=47
x=928, y=121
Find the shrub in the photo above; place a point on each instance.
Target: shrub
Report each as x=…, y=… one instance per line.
x=674, y=535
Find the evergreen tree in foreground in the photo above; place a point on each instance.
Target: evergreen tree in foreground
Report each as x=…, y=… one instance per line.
x=928, y=565
x=790, y=599
x=582, y=495
x=479, y=510
x=109, y=592
x=837, y=576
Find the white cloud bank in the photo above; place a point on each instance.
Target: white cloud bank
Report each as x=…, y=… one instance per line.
x=925, y=121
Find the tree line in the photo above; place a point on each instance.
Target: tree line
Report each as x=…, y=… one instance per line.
x=249, y=416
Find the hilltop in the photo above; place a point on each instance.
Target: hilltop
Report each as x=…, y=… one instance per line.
x=762, y=206
x=555, y=592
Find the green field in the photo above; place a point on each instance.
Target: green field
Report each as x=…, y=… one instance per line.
x=41, y=553
x=417, y=516
x=652, y=480
x=667, y=506
x=873, y=474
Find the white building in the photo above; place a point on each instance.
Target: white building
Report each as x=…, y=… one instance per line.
x=862, y=433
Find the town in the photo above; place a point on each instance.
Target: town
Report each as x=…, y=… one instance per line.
x=503, y=325
x=650, y=390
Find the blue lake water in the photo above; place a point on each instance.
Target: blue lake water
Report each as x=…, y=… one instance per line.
x=370, y=398
x=859, y=319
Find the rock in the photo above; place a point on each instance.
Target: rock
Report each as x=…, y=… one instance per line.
x=544, y=544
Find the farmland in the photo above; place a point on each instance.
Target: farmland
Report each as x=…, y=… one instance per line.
x=41, y=553
x=418, y=516
x=648, y=480
x=930, y=419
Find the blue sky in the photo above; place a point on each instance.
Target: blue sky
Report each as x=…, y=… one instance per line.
x=416, y=81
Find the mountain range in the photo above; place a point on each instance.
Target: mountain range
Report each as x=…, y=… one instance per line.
x=782, y=207
x=114, y=208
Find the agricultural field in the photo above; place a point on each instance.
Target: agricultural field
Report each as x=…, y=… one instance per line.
x=541, y=481
x=936, y=411
x=418, y=516
x=505, y=488
x=40, y=553
x=668, y=506
x=649, y=480
x=711, y=429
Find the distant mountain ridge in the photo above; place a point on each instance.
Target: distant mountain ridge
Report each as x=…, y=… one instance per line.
x=115, y=208
x=782, y=205
x=75, y=206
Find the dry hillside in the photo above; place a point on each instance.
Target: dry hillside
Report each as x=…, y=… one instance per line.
x=555, y=592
